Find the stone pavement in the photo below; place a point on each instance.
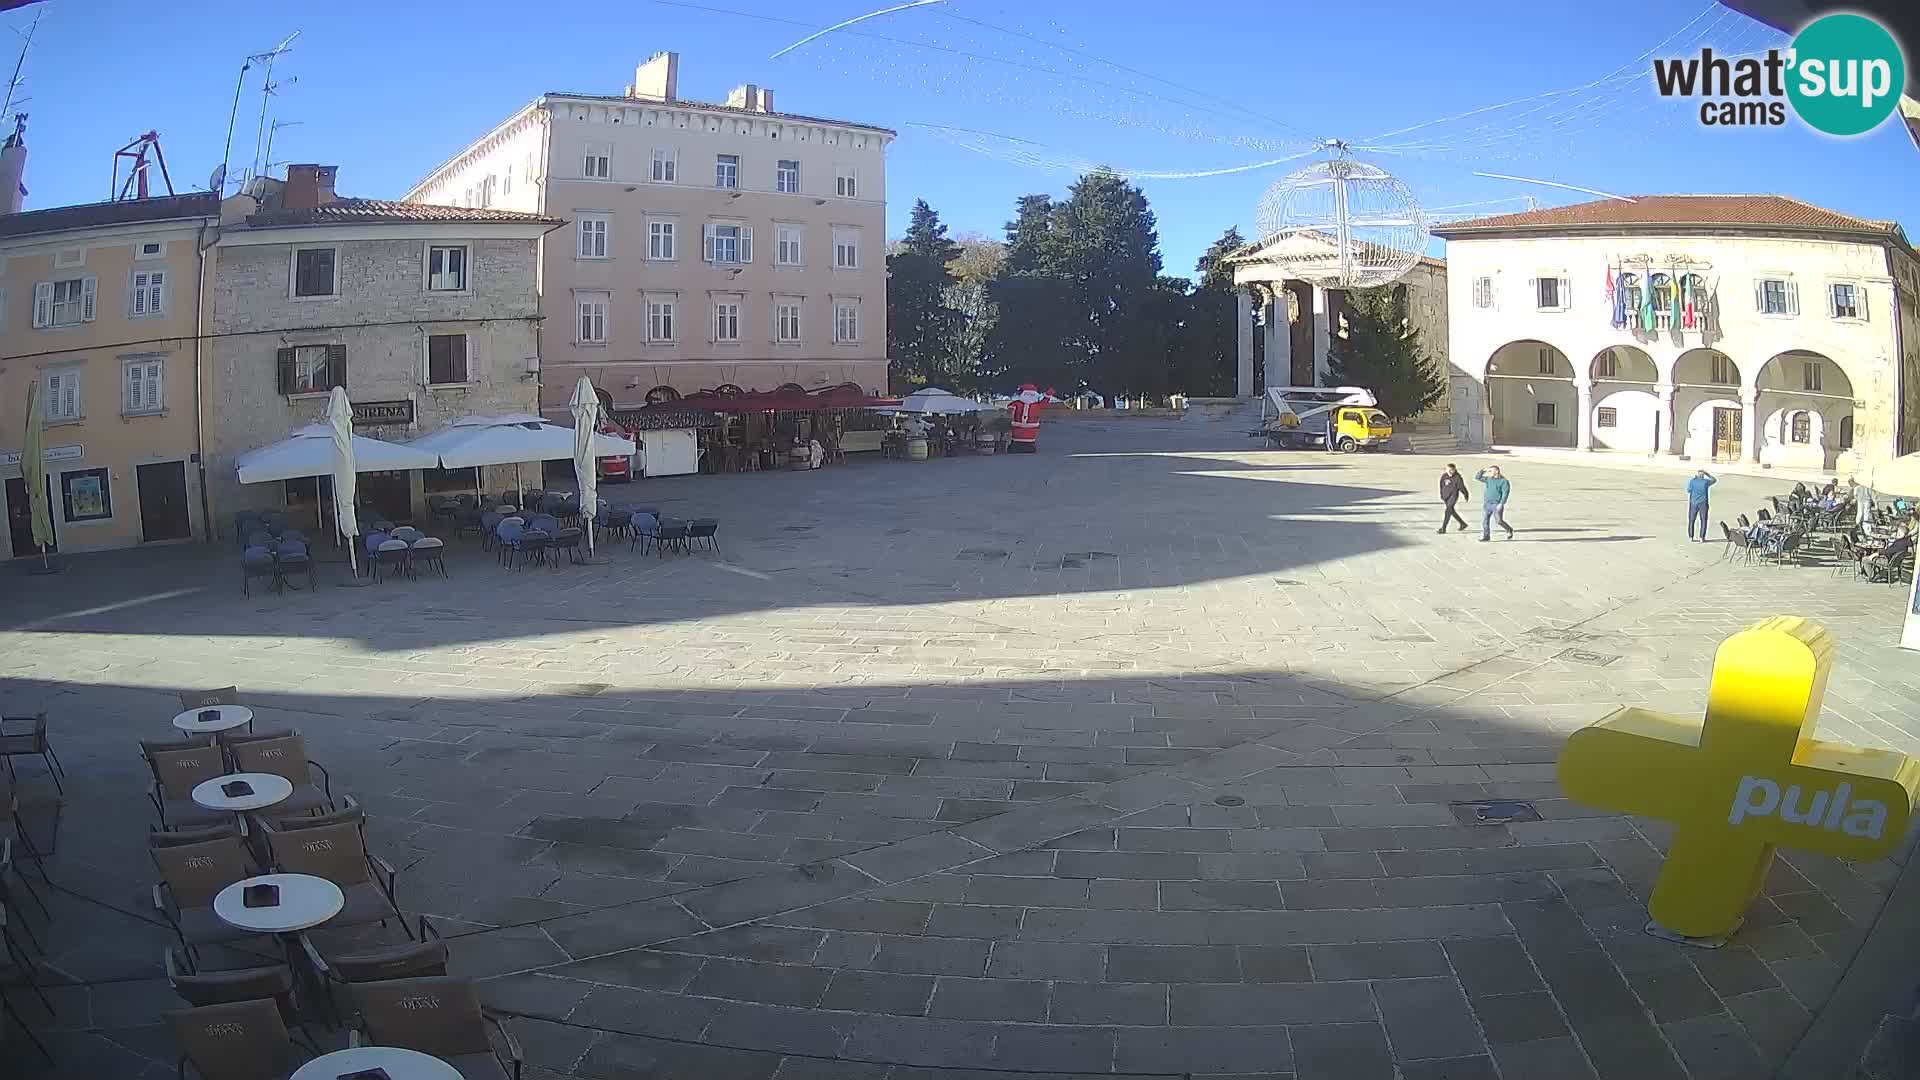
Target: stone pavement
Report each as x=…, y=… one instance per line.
x=1137, y=757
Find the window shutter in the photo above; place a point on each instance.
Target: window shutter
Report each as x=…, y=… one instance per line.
x=1793, y=298
x=708, y=235
x=1566, y=293
x=284, y=364
x=139, y=295
x=1860, y=301
x=133, y=394
x=43, y=303
x=86, y=300
x=336, y=366
x=1833, y=301
x=1760, y=296
x=156, y=284
x=746, y=243
x=153, y=384
x=70, y=396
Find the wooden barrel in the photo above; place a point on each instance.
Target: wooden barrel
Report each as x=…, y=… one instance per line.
x=799, y=459
x=917, y=448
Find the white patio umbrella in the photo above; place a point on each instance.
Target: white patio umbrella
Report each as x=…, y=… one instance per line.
x=586, y=418
x=937, y=401
x=345, y=521
x=508, y=440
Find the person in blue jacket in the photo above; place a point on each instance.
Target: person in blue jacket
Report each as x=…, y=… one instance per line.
x=1697, y=502
x=1494, y=492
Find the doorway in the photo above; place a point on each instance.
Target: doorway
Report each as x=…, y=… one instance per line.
x=20, y=517
x=163, y=501
x=385, y=496
x=1726, y=434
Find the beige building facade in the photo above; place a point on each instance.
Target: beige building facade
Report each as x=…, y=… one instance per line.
x=706, y=244
x=102, y=305
x=424, y=313
x=1751, y=328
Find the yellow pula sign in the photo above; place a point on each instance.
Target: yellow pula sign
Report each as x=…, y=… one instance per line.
x=1748, y=777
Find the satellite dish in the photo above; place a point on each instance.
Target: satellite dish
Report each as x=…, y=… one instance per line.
x=218, y=181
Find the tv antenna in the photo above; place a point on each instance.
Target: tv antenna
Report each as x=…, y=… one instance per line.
x=19, y=63
x=267, y=88
x=271, y=132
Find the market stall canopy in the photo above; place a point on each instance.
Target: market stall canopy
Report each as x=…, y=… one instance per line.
x=509, y=440
x=310, y=452
x=839, y=397
x=937, y=401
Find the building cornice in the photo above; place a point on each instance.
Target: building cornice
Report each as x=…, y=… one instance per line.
x=531, y=113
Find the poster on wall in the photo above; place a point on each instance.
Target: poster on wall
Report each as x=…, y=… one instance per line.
x=85, y=495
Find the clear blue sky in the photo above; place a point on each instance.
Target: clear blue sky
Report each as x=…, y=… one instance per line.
x=1154, y=87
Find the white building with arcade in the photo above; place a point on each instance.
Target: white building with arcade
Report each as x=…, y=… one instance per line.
x=1751, y=328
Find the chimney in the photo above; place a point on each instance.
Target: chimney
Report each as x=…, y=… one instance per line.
x=658, y=79
x=13, y=167
x=751, y=98
x=308, y=186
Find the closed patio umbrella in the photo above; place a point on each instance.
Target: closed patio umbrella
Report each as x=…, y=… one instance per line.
x=345, y=520
x=586, y=419
x=33, y=470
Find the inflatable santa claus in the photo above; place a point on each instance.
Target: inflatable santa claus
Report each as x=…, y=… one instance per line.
x=1024, y=409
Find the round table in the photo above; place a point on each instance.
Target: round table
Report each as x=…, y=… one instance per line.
x=231, y=716
x=268, y=789
x=305, y=902
x=400, y=1064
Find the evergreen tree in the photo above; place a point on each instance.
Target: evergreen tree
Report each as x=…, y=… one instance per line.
x=920, y=325
x=1206, y=353
x=1213, y=268
x=976, y=314
x=1382, y=352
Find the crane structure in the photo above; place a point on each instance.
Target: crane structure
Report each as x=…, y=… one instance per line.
x=137, y=152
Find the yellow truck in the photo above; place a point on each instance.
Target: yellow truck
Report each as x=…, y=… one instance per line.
x=1346, y=419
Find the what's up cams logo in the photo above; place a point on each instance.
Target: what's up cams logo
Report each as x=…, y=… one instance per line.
x=1843, y=74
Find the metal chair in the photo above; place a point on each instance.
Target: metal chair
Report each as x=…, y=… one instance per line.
x=392, y=554
x=703, y=531
x=175, y=774
x=545, y=522
x=441, y=1016
x=429, y=550
x=339, y=853
x=291, y=558
x=256, y=562
x=286, y=756
x=670, y=532
x=644, y=528
x=200, y=699
x=32, y=741
x=190, y=876
x=534, y=545
x=272, y=982
x=569, y=540
x=407, y=533
x=239, y=1040
x=424, y=958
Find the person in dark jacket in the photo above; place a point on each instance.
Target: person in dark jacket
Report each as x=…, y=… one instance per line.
x=1453, y=488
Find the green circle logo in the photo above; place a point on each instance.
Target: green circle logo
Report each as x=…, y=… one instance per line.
x=1846, y=75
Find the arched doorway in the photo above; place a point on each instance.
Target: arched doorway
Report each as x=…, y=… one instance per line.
x=1706, y=396
x=1626, y=411
x=1530, y=395
x=1805, y=405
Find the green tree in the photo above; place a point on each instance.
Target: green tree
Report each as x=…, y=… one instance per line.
x=1214, y=270
x=976, y=314
x=920, y=324
x=1205, y=355
x=1382, y=352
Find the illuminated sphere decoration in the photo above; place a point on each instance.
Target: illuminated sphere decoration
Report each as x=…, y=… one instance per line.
x=1341, y=224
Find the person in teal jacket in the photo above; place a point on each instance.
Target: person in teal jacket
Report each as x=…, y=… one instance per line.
x=1495, y=489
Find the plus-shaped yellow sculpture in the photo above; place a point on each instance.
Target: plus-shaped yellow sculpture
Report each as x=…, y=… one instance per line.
x=1748, y=778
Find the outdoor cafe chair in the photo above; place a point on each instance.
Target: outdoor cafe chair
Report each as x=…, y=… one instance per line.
x=175, y=774
x=7, y=871
x=489, y=522
x=441, y=1016
x=271, y=982
x=429, y=549
x=286, y=756
x=292, y=557
x=704, y=531
x=507, y=536
x=535, y=545
x=407, y=533
x=191, y=875
x=671, y=532
x=644, y=529
x=569, y=540
x=238, y=1040
x=30, y=742
x=200, y=699
x=18, y=958
x=339, y=853
x=544, y=522
x=256, y=562
x=1746, y=523
x=261, y=538
x=391, y=554
x=425, y=958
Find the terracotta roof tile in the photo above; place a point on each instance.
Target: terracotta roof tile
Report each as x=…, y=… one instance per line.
x=1684, y=210
x=93, y=215
x=376, y=211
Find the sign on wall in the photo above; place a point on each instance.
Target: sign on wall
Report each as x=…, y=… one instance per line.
x=53, y=453
x=383, y=412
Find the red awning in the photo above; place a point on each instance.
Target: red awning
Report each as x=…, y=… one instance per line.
x=776, y=401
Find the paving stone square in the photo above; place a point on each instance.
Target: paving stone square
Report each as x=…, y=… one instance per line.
x=904, y=784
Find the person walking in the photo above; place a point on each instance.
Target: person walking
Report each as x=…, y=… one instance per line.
x=1697, y=502
x=1495, y=490
x=1453, y=488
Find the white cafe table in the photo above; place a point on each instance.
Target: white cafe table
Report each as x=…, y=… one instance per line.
x=400, y=1064
x=230, y=717
x=268, y=789
x=305, y=902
